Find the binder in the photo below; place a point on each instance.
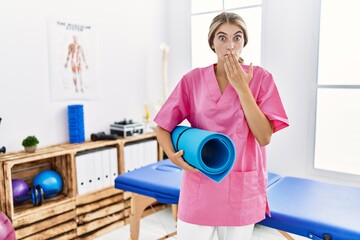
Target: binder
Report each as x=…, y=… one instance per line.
x=98, y=160
x=151, y=152
x=81, y=174
x=113, y=158
x=90, y=172
x=129, y=154
x=140, y=157
x=106, y=169
x=126, y=157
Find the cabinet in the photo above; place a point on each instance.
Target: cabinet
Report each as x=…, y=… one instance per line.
x=69, y=215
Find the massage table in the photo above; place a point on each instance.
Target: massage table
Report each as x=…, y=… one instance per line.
x=304, y=207
x=157, y=182
x=314, y=209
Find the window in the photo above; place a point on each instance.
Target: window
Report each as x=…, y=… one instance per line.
x=337, y=136
x=203, y=11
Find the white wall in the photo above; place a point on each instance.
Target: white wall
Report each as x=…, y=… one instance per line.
x=129, y=34
x=179, y=33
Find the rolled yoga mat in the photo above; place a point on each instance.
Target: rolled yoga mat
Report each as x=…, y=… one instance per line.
x=211, y=153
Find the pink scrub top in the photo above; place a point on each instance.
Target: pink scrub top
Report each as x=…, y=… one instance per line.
x=240, y=198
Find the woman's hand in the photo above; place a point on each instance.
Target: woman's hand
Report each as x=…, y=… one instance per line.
x=164, y=139
x=258, y=123
x=177, y=159
x=236, y=75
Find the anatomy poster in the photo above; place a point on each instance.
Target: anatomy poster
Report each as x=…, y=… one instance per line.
x=72, y=60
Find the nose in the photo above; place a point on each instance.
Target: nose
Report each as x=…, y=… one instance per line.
x=230, y=45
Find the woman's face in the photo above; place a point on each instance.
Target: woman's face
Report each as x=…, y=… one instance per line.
x=228, y=37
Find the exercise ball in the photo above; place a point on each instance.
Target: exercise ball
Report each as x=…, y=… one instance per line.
x=7, y=231
x=50, y=181
x=19, y=189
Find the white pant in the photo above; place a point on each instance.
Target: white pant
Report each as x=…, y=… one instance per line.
x=186, y=231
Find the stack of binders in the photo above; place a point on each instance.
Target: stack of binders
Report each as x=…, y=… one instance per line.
x=96, y=169
x=139, y=154
x=76, y=123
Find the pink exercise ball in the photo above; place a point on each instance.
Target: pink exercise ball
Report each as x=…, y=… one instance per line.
x=7, y=231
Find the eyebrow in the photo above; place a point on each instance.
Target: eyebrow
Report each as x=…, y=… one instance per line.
x=226, y=33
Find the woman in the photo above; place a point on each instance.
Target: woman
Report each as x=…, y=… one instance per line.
x=243, y=103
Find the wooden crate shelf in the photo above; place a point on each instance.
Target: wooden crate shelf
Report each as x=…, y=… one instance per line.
x=2, y=188
x=103, y=218
x=98, y=211
x=27, y=170
x=61, y=220
x=69, y=215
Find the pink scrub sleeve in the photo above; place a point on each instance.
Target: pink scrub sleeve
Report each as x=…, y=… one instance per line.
x=175, y=109
x=269, y=102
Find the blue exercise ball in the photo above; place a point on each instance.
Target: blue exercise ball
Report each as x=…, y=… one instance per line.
x=50, y=181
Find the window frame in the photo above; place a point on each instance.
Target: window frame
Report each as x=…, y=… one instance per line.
x=339, y=175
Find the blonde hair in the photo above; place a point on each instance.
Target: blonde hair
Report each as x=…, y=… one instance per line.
x=226, y=17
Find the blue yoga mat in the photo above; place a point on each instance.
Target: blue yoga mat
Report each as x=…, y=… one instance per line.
x=211, y=153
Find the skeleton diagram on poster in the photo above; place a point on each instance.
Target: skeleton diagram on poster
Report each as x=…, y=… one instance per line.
x=72, y=55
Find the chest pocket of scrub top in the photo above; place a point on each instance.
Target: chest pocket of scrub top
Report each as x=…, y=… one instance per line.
x=243, y=189
x=190, y=187
x=242, y=129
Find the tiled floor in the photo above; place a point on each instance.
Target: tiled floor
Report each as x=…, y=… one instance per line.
x=159, y=224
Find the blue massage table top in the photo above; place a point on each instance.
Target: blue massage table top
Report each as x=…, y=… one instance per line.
x=305, y=207
x=311, y=208
x=160, y=180
x=272, y=178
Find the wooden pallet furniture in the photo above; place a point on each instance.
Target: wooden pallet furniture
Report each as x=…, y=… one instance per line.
x=68, y=215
